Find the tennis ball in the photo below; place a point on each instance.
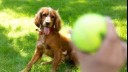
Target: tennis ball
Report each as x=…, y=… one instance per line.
x=88, y=32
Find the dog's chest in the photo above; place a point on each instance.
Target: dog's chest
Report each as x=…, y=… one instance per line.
x=48, y=51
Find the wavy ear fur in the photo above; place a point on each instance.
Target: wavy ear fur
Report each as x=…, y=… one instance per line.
x=38, y=20
x=57, y=22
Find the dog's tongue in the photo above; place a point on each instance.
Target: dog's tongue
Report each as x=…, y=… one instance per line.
x=46, y=30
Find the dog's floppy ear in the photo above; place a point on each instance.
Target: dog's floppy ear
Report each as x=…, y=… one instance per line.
x=38, y=17
x=57, y=22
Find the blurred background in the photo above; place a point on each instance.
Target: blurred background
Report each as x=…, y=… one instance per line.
x=17, y=30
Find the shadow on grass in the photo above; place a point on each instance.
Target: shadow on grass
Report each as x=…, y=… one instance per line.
x=64, y=67
x=69, y=10
x=15, y=53
x=8, y=56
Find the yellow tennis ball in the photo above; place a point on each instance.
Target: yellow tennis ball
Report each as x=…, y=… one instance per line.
x=88, y=32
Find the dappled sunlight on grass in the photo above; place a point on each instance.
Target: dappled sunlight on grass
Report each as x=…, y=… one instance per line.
x=18, y=38
x=11, y=13
x=121, y=27
x=78, y=1
x=46, y=58
x=17, y=26
x=120, y=7
x=23, y=54
x=120, y=22
x=17, y=30
x=0, y=1
x=122, y=32
x=66, y=31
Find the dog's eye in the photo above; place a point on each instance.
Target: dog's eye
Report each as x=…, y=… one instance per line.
x=44, y=15
x=52, y=16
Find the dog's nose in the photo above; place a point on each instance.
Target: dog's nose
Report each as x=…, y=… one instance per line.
x=47, y=23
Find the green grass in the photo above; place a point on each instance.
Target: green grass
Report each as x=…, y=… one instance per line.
x=17, y=30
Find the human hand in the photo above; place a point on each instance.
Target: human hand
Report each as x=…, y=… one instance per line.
x=110, y=57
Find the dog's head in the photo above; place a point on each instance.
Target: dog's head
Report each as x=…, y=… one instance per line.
x=47, y=18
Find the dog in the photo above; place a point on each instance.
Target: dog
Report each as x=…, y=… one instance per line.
x=50, y=41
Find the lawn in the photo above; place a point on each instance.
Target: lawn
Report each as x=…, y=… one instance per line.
x=17, y=30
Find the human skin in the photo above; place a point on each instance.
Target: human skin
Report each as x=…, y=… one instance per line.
x=111, y=56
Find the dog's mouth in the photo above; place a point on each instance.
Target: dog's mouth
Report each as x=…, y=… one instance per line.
x=46, y=30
